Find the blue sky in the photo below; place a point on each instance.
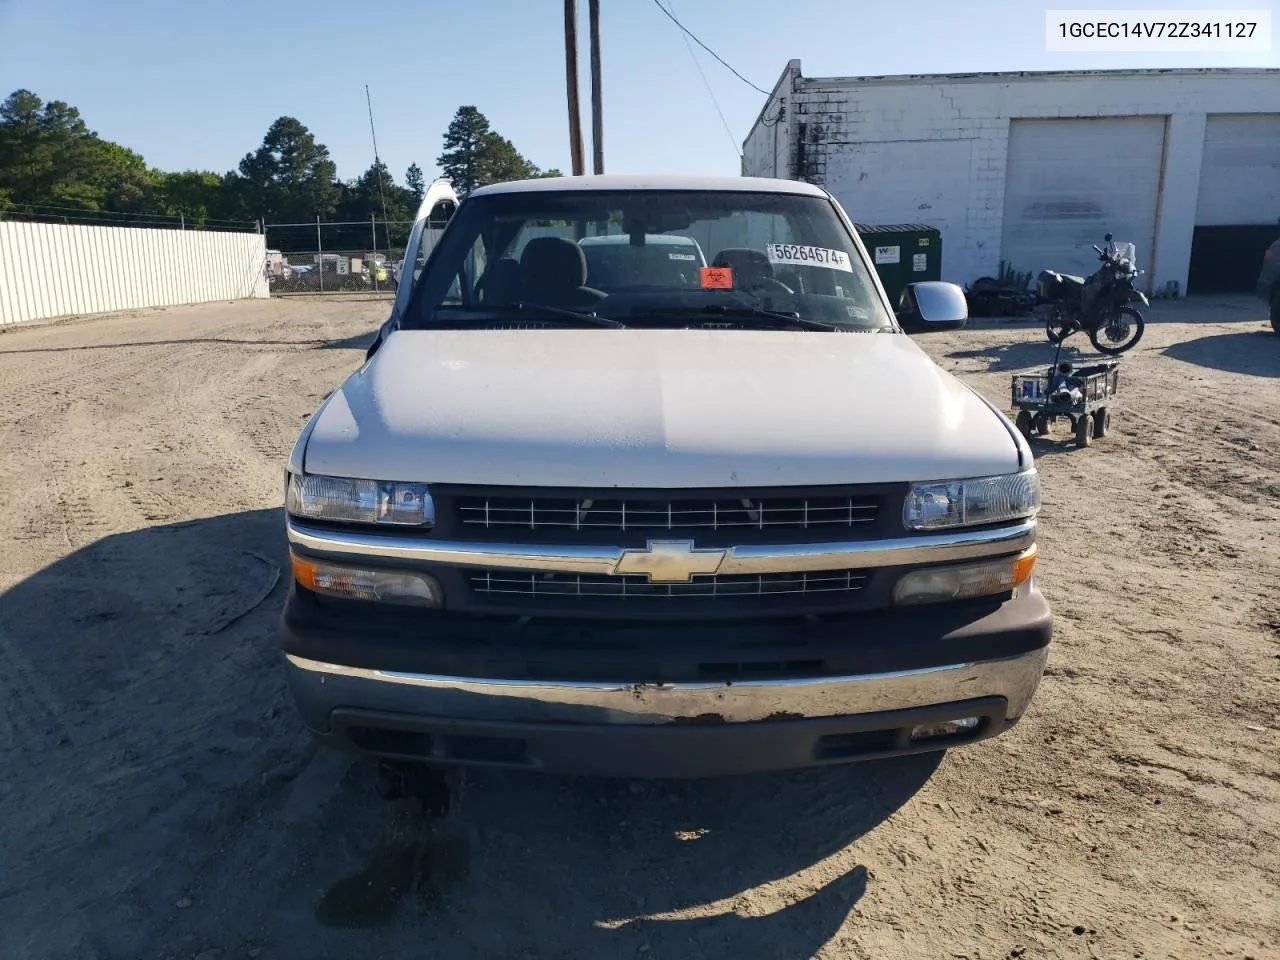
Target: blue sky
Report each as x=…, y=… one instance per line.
x=195, y=85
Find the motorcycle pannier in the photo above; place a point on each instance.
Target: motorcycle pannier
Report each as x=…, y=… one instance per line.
x=1049, y=285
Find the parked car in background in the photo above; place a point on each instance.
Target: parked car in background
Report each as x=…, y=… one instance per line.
x=663, y=260
x=1269, y=282
x=561, y=520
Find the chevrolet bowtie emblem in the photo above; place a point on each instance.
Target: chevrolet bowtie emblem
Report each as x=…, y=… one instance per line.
x=670, y=561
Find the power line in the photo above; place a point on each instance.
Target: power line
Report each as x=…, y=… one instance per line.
x=105, y=214
x=236, y=226
x=711, y=93
x=311, y=224
x=672, y=18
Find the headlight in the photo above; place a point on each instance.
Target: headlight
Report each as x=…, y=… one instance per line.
x=359, y=501
x=965, y=581
x=968, y=503
x=362, y=583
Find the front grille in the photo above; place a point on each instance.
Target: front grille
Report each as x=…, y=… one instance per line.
x=713, y=587
x=668, y=515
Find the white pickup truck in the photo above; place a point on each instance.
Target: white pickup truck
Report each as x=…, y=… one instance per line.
x=699, y=515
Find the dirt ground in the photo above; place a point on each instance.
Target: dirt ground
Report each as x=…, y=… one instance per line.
x=159, y=799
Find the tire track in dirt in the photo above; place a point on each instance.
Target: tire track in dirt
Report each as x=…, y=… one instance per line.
x=1134, y=790
x=1151, y=574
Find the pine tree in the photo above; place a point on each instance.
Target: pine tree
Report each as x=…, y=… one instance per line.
x=292, y=174
x=465, y=144
x=475, y=155
x=413, y=179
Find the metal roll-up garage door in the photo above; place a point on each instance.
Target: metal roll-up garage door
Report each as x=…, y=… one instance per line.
x=1238, y=208
x=1070, y=182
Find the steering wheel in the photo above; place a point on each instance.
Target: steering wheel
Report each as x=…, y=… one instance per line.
x=772, y=285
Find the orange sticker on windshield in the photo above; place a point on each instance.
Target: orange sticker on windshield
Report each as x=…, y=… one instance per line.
x=716, y=278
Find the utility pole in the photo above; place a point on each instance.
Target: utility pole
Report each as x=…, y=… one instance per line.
x=597, y=108
x=571, y=82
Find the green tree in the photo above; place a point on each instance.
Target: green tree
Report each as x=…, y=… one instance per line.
x=50, y=158
x=502, y=161
x=415, y=183
x=464, y=147
x=235, y=199
x=26, y=156
x=127, y=185
x=362, y=200
x=46, y=153
x=291, y=175
x=474, y=154
x=194, y=195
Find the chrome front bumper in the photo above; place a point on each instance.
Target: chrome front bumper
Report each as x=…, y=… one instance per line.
x=438, y=706
x=320, y=688
x=661, y=730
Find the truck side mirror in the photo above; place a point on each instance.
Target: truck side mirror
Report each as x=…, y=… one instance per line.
x=932, y=306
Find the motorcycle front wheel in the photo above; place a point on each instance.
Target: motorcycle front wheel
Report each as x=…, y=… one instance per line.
x=1122, y=332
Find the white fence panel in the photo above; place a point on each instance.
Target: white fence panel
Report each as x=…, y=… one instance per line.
x=55, y=270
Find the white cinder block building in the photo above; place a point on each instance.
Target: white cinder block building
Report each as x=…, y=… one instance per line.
x=1034, y=167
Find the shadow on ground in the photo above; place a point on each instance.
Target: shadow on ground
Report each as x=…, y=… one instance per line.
x=163, y=800
x=1022, y=355
x=1210, y=308
x=1221, y=309
x=361, y=341
x=1256, y=353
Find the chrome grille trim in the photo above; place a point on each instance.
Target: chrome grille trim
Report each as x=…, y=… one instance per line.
x=579, y=586
x=582, y=558
x=536, y=513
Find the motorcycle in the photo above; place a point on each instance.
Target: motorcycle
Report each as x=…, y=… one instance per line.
x=1098, y=305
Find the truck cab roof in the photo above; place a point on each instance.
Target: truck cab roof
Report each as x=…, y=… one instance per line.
x=654, y=182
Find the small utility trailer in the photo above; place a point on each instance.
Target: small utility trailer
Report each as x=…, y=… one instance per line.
x=1083, y=395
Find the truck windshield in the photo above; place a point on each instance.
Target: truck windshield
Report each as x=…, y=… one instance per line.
x=648, y=257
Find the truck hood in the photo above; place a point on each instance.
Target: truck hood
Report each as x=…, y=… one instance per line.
x=655, y=408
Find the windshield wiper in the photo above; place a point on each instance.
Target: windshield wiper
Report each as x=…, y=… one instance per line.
x=776, y=320
x=591, y=318
x=481, y=315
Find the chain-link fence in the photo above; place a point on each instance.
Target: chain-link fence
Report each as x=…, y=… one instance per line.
x=334, y=257
x=340, y=256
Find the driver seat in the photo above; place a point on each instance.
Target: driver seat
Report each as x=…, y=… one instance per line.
x=553, y=271
x=751, y=268
x=500, y=285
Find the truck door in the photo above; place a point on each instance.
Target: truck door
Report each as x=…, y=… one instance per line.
x=437, y=208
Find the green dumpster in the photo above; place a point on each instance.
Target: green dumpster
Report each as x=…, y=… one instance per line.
x=903, y=253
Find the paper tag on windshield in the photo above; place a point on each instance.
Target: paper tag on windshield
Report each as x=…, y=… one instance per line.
x=800, y=255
